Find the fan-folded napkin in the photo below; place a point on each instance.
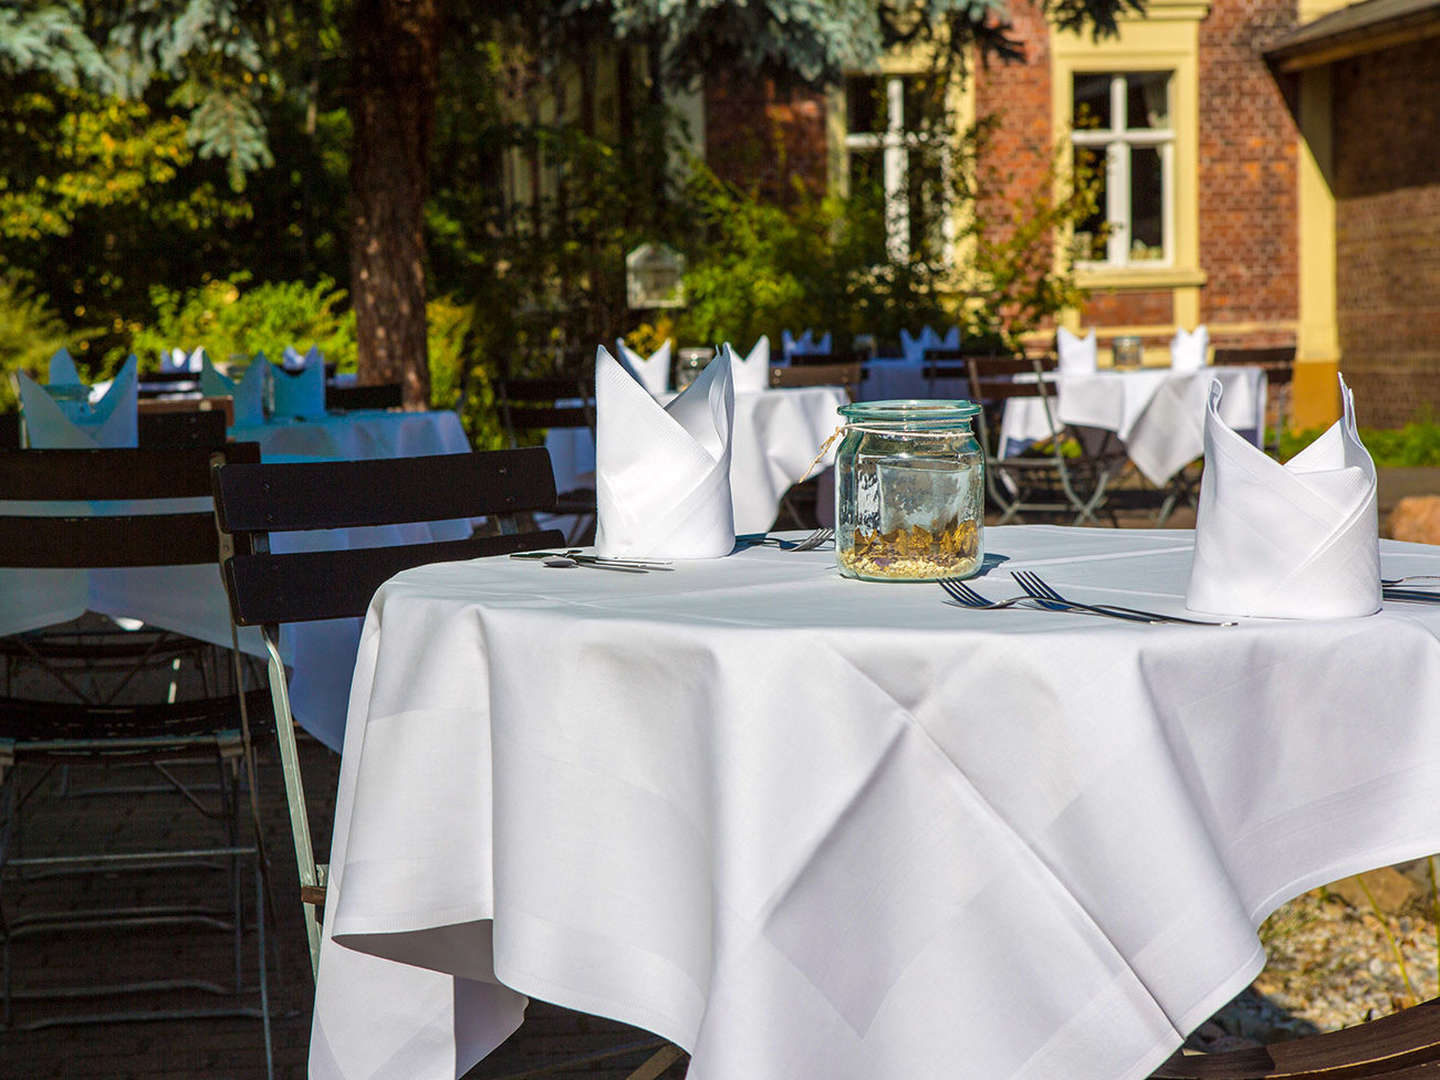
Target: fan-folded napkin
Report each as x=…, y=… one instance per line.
x=176, y=360
x=1292, y=541
x=1078, y=356
x=752, y=374
x=1189, y=351
x=804, y=345
x=299, y=394
x=109, y=422
x=913, y=348
x=653, y=372
x=662, y=473
x=248, y=393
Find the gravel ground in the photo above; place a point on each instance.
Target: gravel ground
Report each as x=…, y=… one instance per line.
x=1331, y=965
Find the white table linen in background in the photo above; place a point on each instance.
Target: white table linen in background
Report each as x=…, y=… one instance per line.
x=1158, y=413
x=806, y=826
x=777, y=435
x=191, y=599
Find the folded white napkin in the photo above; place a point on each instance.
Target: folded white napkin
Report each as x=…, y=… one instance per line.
x=1190, y=351
x=111, y=421
x=248, y=393
x=62, y=369
x=1292, y=541
x=1078, y=356
x=805, y=345
x=662, y=473
x=913, y=348
x=652, y=371
x=298, y=394
x=176, y=360
x=291, y=360
x=752, y=374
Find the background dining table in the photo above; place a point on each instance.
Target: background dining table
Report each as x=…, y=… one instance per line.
x=808, y=826
x=191, y=599
x=779, y=434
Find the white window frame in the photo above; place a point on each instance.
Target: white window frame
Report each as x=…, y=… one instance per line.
x=895, y=142
x=1117, y=142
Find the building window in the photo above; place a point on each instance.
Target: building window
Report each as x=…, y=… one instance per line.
x=894, y=127
x=1122, y=132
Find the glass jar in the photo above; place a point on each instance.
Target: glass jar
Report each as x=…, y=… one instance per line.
x=909, y=491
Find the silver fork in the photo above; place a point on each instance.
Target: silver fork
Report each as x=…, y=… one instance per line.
x=1034, y=586
x=967, y=597
x=1412, y=577
x=811, y=542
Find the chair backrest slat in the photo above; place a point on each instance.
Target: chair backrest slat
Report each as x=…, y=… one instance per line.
x=198, y=428
x=307, y=585
x=382, y=396
x=846, y=375
x=108, y=541
x=353, y=494
x=91, y=475
x=1278, y=361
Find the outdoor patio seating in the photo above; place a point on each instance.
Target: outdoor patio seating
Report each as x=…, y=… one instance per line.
x=267, y=588
x=90, y=695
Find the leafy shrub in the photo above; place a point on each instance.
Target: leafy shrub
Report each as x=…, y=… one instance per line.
x=233, y=322
x=30, y=333
x=1415, y=444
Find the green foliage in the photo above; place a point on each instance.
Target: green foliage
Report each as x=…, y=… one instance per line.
x=232, y=322
x=30, y=333
x=1415, y=444
x=48, y=38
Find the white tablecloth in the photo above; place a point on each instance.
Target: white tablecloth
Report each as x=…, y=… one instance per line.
x=778, y=433
x=894, y=378
x=1158, y=413
x=191, y=600
x=811, y=827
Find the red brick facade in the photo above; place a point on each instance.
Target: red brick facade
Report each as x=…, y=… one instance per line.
x=1387, y=192
x=761, y=136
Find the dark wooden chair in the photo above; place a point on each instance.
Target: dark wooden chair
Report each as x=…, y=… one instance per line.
x=83, y=699
x=350, y=398
x=1402, y=1046
x=190, y=427
x=10, y=431
x=267, y=589
x=529, y=406
x=846, y=375
x=1045, y=481
x=1279, y=365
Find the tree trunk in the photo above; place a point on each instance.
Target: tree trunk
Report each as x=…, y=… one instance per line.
x=396, y=51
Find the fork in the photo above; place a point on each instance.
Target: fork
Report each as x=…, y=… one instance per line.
x=1034, y=586
x=967, y=597
x=805, y=543
x=1412, y=577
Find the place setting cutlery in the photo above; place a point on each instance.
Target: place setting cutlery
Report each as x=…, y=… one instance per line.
x=814, y=540
x=1037, y=593
x=574, y=557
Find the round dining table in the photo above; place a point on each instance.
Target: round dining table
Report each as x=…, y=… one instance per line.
x=806, y=826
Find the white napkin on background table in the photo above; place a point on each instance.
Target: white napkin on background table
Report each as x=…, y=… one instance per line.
x=1078, y=356
x=248, y=393
x=752, y=374
x=177, y=360
x=1292, y=541
x=112, y=420
x=62, y=369
x=662, y=473
x=913, y=348
x=1190, y=350
x=805, y=345
x=299, y=394
x=652, y=371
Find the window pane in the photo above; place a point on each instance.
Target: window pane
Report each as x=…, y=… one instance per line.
x=926, y=205
x=924, y=102
x=1147, y=99
x=1090, y=234
x=1092, y=101
x=865, y=103
x=1147, y=205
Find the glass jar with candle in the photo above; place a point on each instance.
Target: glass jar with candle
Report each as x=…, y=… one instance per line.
x=909, y=491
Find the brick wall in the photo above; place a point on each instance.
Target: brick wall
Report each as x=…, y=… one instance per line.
x=1248, y=186
x=1387, y=191
x=761, y=134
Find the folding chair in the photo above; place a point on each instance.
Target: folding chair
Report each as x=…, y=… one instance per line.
x=847, y=375
x=98, y=709
x=1044, y=481
x=565, y=402
x=1401, y=1046
x=190, y=427
x=267, y=589
x=350, y=398
x=1279, y=365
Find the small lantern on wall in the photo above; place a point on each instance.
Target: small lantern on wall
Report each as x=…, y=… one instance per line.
x=654, y=277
